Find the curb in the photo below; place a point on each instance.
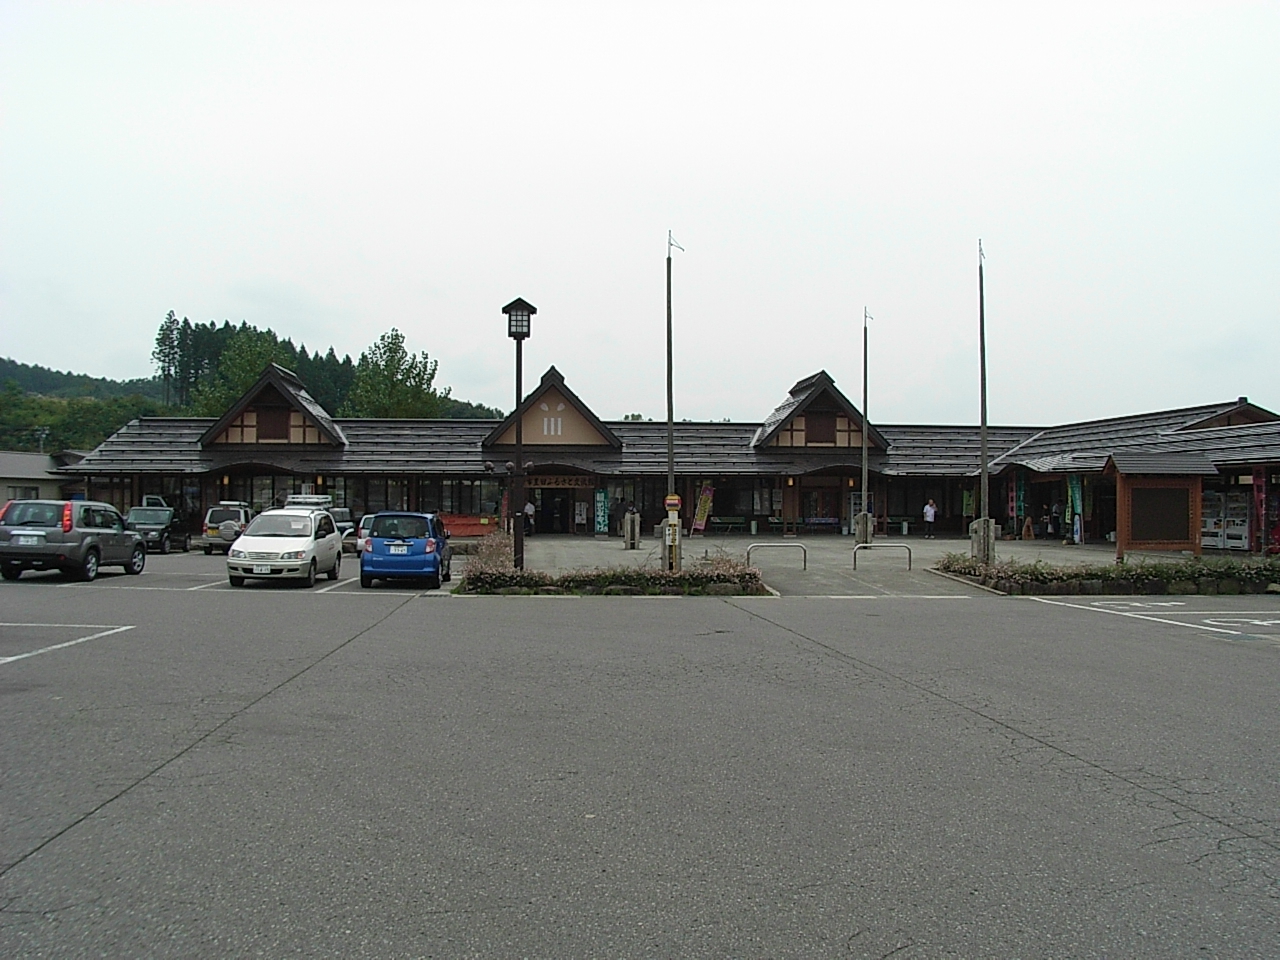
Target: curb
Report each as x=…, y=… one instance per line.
x=966, y=581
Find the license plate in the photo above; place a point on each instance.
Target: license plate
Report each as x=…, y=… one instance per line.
x=262, y=568
x=26, y=541
x=400, y=549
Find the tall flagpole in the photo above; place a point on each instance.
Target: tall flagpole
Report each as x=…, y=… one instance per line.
x=982, y=538
x=864, y=531
x=982, y=360
x=672, y=545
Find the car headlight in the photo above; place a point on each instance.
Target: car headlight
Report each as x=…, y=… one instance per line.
x=293, y=555
x=237, y=554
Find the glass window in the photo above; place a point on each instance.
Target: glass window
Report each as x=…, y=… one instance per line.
x=273, y=423
x=400, y=528
x=279, y=525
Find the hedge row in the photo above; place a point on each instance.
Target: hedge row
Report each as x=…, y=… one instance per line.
x=1183, y=576
x=489, y=571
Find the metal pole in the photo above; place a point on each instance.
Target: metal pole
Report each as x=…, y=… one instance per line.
x=864, y=414
x=671, y=410
x=519, y=492
x=982, y=359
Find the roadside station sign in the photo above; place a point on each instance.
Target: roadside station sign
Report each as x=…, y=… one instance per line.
x=672, y=501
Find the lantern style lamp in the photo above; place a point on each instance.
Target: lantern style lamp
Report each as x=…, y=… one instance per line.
x=518, y=312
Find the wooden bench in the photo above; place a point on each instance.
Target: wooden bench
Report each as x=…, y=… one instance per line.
x=726, y=524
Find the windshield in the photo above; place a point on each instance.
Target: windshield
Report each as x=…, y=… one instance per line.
x=400, y=528
x=149, y=515
x=33, y=515
x=341, y=515
x=279, y=525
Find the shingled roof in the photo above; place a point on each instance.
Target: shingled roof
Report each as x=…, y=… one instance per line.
x=1084, y=447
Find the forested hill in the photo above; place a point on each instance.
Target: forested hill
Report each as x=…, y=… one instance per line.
x=201, y=369
x=32, y=378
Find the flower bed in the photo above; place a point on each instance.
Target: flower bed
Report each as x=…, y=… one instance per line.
x=1201, y=575
x=489, y=571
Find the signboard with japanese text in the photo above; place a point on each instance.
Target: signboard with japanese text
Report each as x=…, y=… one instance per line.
x=602, y=511
x=564, y=481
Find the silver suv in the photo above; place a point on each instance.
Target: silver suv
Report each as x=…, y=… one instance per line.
x=225, y=522
x=74, y=536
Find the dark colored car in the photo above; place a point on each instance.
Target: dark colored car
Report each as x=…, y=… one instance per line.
x=74, y=536
x=160, y=528
x=402, y=545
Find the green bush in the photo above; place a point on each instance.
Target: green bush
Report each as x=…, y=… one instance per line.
x=1254, y=570
x=489, y=570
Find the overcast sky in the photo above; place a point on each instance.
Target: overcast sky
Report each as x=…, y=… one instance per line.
x=331, y=171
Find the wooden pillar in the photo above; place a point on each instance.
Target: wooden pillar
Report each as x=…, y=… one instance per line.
x=1122, y=515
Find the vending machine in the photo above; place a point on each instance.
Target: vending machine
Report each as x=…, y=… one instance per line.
x=1212, y=523
x=1235, y=528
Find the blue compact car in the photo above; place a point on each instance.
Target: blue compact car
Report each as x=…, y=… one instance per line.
x=401, y=545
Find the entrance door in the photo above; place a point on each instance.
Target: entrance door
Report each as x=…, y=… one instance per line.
x=556, y=513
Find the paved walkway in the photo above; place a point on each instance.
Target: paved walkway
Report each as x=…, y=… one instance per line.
x=881, y=572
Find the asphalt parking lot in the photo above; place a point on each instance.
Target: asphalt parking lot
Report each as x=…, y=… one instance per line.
x=191, y=770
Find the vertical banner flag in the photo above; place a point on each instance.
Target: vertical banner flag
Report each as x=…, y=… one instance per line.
x=704, y=507
x=602, y=512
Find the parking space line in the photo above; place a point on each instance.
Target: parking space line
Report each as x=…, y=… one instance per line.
x=70, y=626
x=59, y=646
x=211, y=583
x=335, y=586
x=1138, y=616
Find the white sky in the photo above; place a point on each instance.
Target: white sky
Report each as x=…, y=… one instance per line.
x=331, y=171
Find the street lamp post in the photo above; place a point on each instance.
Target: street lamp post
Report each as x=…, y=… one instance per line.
x=862, y=524
x=518, y=312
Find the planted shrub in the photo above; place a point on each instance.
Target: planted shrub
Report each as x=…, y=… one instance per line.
x=490, y=570
x=1181, y=576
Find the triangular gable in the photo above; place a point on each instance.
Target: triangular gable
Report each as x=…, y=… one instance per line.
x=1239, y=413
x=836, y=423
x=552, y=415
x=276, y=410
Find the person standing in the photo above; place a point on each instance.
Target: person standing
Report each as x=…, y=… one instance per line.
x=930, y=515
x=529, y=510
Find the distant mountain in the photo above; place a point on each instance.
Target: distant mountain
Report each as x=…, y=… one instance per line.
x=33, y=378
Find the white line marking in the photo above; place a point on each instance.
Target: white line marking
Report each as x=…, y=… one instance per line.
x=69, y=643
x=335, y=586
x=211, y=583
x=85, y=626
x=1136, y=616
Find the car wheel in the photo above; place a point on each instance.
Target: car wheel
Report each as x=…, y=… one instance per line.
x=366, y=581
x=337, y=567
x=89, y=567
x=208, y=550
x=310, y=580
x=433, y=583
x=137, y=560
x=236, y=581
x=165, y=546
x=10, y=573
x=186, y=543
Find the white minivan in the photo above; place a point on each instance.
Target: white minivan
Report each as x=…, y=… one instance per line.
x=289, y=543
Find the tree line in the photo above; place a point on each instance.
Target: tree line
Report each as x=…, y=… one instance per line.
x=201, y=368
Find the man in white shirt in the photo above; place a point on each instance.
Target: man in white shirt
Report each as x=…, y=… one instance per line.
x=529, y=510
x=930, y=514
